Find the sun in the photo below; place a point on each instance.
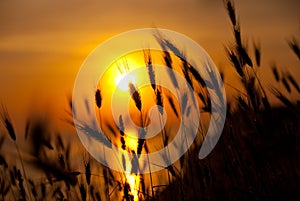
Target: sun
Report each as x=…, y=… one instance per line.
x=123, y=80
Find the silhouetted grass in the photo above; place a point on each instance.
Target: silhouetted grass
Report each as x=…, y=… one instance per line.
x=255, y=159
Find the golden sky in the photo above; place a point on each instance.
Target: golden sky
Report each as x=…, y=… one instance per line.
x=43, y=43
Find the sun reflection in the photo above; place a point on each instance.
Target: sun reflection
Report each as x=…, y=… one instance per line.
x=132, y=179
x=134, y=182
x=131, y=142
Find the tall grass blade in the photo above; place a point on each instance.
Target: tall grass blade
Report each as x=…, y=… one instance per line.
x=3, y=162
x=237, y=35
x=135, y=95
x=149, y=65
x=122, y=129
x=197, y=76
x=6, y=121
x=286, y=84
x=284, y=100
x=293, y=82
x=168, y=63
x=235, y=62
x=275, y=73
x=231, y=12
x=87, y=166
x=83, y=192
x=172, y=104
x=98, y=98
x=159, y=100
x=257, y=53
x=295, y=47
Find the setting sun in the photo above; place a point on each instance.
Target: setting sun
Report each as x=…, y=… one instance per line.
x=123, y=80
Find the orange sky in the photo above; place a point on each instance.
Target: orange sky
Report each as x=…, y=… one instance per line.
x=43, y=43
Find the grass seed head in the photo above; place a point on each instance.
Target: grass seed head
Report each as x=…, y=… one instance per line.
x=275, y=73
x=135, y=95
x=98, y=98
